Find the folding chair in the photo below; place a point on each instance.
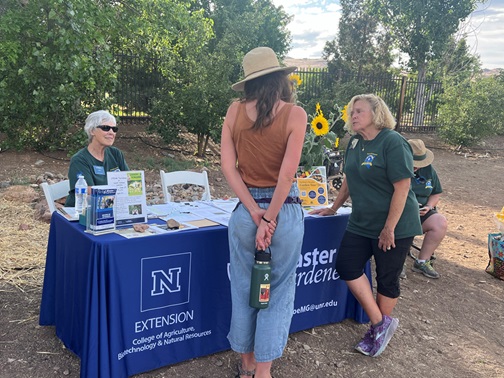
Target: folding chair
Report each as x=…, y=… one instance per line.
x=54, y=192
x=185, y=177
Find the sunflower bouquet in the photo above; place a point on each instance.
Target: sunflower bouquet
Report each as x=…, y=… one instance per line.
x=320, y=136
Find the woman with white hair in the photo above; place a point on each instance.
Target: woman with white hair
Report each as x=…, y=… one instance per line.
x=99, y=157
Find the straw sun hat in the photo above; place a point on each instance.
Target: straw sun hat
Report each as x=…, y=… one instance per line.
x=259, y=62
x=422, y=157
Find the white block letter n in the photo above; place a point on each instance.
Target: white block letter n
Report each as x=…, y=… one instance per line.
x=162, y=281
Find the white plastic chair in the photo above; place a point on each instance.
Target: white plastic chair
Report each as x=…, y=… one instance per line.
x=54, y=192
x=185, y=177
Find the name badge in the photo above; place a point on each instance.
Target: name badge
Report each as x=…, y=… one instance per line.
x=99, y=170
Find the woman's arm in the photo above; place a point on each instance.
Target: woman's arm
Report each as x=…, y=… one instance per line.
x=397, y=203
x=296, y=127
x=230, y=170
x=432, y=202
x=290, y=162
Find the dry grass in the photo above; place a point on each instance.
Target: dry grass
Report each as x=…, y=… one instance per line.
x=22, y=251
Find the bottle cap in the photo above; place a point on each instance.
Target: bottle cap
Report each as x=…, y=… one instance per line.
x=262, y=256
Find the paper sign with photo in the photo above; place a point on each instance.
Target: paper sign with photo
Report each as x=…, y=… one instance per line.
x=131, y=204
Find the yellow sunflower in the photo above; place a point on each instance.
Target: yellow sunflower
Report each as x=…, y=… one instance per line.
x=295, y=78
x=344, y=115
x=320, y=125
x=317, y=109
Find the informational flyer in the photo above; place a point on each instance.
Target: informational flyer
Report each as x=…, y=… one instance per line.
x=101, y=214
x=130, y=204
x=312, y=185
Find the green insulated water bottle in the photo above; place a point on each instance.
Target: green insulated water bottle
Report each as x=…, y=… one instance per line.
x=260, y=280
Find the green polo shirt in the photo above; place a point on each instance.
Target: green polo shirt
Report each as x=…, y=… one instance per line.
x=94, y=171
x=425, y=183
x=371, y=168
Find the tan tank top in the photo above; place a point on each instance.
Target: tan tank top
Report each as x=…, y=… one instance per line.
x=260, y=152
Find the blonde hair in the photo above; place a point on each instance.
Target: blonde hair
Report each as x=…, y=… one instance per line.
x=382, y=117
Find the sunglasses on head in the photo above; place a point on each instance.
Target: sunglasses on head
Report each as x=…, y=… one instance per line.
x=107, y=128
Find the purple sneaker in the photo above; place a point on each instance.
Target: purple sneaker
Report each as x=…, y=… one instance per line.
x=382, y=335
x=367, y=342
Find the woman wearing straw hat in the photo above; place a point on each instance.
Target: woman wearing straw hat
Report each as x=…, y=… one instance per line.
x=384, y=220
x=262, y=140
x=427, y=188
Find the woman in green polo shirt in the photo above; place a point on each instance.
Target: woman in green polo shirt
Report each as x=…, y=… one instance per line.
x=98, y=157
x=427, y=188
x=378, y=170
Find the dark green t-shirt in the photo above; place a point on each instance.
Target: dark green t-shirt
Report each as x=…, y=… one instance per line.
x=94, y=171
x=425, y=183
x=371, y=167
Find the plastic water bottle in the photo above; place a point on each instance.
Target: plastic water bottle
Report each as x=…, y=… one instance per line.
x=80, y=194
x=260, y=283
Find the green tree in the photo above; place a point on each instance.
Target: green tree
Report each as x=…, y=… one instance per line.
x=361, y=46
x=160, y=47
x=472, y=109
x=455, y=61
x=421, y=30
x=55, y=62
x=198, y=99
x=58, y=62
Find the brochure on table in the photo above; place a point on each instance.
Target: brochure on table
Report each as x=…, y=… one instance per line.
x=69, y=213
x=154, y=229
x=100, y=217
x=214, y=211
x=312, y=185
x=130, y=203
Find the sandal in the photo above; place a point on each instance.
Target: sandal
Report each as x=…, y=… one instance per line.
x=246, y=373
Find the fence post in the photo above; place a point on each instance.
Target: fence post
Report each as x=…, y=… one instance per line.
x=404, y=79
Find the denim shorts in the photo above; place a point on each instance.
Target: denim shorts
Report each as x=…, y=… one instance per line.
x=264, y=331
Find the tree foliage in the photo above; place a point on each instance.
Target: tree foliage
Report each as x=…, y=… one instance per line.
x=455, y=62
x=421, y=29
x=55, y=62
x=472, y=109
x=361, y=46
x=58, y=60
x=198, y=99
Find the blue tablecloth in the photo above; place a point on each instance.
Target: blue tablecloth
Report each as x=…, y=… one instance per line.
x=126, y=306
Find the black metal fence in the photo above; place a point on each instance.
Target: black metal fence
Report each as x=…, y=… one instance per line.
x=413, y=103
x=138, y=80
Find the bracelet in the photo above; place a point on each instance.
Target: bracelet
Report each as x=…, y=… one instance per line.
x=333, y=210
x=264, y=219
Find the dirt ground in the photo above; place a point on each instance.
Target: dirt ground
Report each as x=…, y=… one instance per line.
x=450, y=327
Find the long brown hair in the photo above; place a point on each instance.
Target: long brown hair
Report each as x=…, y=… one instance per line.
x=267, y=90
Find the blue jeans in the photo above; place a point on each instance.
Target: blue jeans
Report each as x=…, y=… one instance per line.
x=265, y=331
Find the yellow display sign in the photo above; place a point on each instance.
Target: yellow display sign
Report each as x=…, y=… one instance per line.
x=312, y=185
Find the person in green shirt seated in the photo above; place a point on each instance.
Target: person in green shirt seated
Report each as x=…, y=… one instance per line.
x=99, y=157
x=384, y=220
x=427, y=188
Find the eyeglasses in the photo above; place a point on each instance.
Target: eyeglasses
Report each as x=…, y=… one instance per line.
x=107, y=128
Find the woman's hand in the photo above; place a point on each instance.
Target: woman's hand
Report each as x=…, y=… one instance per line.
x=264, y=234
x=424, y=210
x=386, y=239
x=323, y=212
